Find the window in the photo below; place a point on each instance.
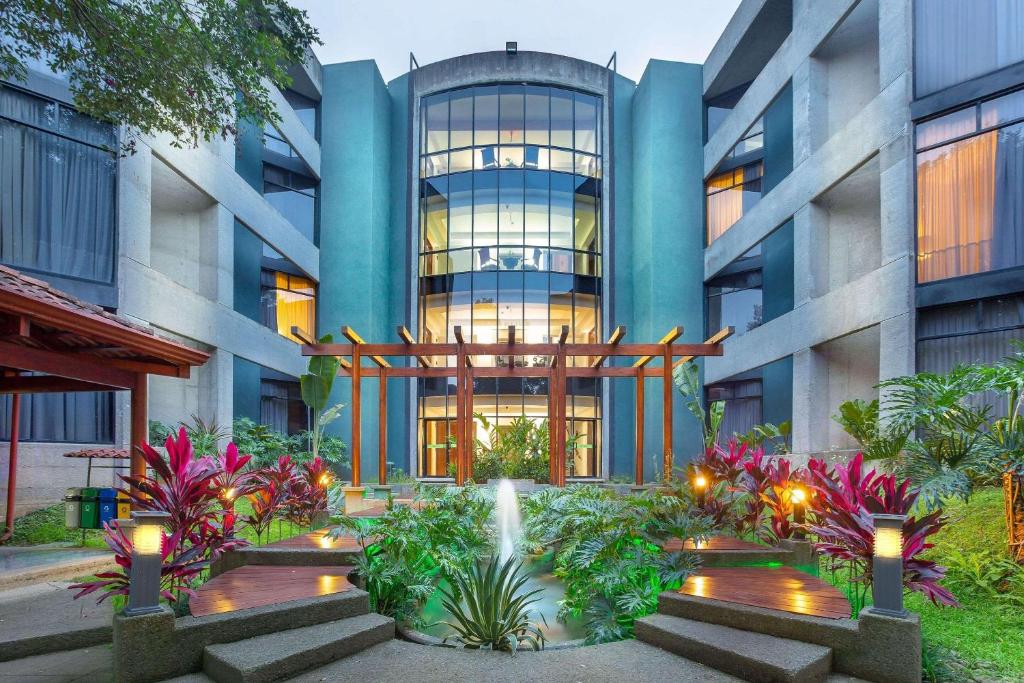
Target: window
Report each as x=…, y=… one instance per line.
x=79, y=417
x=281, y=406
x=957, y=40
x=58, y=185
x=730, y=195
x=288, y=300
x=306, y=109
x=294, y=196
x=743, y=408
x=736, y=299
x=970, y=201
x=972, y=332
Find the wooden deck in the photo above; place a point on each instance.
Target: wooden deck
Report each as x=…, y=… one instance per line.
x=317, y=540
x=719, y=543
x=779, y=588
x=256, y=586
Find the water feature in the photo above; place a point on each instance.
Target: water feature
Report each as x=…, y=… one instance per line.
x=508, y=525
x=506, y=516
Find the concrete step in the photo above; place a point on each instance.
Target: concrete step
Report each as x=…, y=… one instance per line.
x=752, y=656
x=277, y=656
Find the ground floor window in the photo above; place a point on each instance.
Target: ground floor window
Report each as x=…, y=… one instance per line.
x=743, y=407
x=281, y=406
x=78, y=417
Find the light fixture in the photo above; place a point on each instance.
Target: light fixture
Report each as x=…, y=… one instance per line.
x=700, y=484
x=511, y=48
x=229, y=494
x=887, y=565
x=147, y=560
x=798, y=497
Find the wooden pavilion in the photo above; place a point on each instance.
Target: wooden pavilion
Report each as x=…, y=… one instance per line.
x=52, y=342
x=588, y=361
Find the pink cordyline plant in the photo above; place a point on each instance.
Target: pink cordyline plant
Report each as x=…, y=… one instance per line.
x=233, y=480
x=846, y=497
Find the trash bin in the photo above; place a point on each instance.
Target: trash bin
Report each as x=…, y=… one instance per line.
x=89, y=518
x=124, y=506
x=107, y=506
x=72, y=508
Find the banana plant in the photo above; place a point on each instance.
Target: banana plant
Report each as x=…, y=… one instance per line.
x=316, y=387
x=686, y=377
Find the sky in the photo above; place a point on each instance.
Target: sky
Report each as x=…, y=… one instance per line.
x=638, y=30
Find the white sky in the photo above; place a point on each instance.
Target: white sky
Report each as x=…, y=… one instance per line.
x=639, y=30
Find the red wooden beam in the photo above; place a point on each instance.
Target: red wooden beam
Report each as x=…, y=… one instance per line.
x=500, y=349
x=63, y=364
x=617, y=334
x=640, y=374
x=382, y=428
x=658, y=349
x=357, y=440
x=46, y=384
x=492, y=371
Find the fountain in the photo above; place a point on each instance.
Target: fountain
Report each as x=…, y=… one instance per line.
x=506, y=513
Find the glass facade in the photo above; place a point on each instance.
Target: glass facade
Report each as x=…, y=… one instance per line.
x=294, y=196
x=957, y=40
x=510, y=234
x=970, y=190
x=736, y=298
x=288, y=300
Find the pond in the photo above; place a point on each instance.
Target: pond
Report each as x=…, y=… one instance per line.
x=541, y=577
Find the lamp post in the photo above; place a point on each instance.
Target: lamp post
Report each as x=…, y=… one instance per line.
x=887, y=565
x=700, y=485
x=799, y=499
x=147, y=560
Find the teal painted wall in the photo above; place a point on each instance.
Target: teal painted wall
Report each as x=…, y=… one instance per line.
x=621, y=392
x=668, y=242
x=246, y=389
x=777, y=391
x=355, y=230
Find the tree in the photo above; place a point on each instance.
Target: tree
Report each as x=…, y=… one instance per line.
x=187, y=68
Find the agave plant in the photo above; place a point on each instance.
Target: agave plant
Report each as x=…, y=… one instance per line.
x=497, y=610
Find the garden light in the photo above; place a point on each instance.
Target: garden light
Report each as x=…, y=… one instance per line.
x=325, y=479
x=147, y=559
x=229, y=494
x=700, y=483
x=887, y=566
x=798, y=497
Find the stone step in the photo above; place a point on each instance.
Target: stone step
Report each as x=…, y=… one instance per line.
x=277, y=656
x=752, y=656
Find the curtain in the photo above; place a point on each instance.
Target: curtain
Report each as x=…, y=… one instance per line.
x=56, y=194
x=957, y=40
x=1008, y=233
x=955, y=199
x=274, y=406
x=79, y=417
x=725, y=202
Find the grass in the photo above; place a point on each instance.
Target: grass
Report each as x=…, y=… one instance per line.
x=985, y=636
x=47, y=526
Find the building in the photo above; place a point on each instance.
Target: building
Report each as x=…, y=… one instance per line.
x=838, y=181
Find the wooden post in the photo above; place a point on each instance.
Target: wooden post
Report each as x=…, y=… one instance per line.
x=666, y=394
x=382, y=429
x=560, y=392
x=470, y=425
x=139, y=433
x=12, y=468
x=639, y=426
x=357, y=362
x=460, y=410
x=552, y=420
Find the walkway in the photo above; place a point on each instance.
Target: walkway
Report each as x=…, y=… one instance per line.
x=256, y=586
x=721, y=543
x=779, y=588
x=317, y=540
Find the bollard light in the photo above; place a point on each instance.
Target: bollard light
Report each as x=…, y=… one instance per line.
x=147, y=561
x=700, y=484
x=799, y=499
x=887, y=565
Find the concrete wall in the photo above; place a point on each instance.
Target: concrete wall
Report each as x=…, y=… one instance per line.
x=667, y=232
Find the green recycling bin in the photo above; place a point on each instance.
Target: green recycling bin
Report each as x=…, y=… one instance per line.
x=72, y=508
x=90, y=509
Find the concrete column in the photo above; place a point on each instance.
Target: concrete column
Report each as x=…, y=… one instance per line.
x=217, y=255
x=216, y=389
x=810, y=409
x=810, y=108
x=895, y=35
x=810, y=252
x=896, y=192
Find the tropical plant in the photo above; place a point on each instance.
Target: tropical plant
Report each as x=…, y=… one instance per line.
x=205, y=436
x=497, y=612
x=608, y=551
x=860, y=419
x=845, y=498
x=260, y=441
x=233, y=480
x=775, y=436
x=306, y=501
x=518, y=450
x=316, y=387
x=686, y=377
x=266, y=501
x=950, y=449
x=187, y=69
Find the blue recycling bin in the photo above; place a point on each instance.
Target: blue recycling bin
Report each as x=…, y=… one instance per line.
x=107, y=507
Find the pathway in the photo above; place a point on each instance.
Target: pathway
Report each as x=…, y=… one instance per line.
x=257, y=586
x=779, y=588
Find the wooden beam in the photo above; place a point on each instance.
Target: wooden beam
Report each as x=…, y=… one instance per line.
x=470, y=425
x=139, y=433
x=357, y=440
x=668, y=338
x=460, y=408
x=148, y=368
x=490, y=372
x=46, y=384
x=15, y=326
x=302, y=335
x=639, y=372
x=666, y=414
x=71, y=366
x=617, y=334
x=714, y=340
x=382, y=428
x=356, y=340
x=502, y=349
x=406, y=336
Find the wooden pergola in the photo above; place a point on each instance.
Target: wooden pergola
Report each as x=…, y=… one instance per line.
x=52, y=342
x=557, y=372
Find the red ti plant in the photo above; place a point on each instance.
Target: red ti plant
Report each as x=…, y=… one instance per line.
x=177, y=571
x=265, y=502
x=308, y=492
x=233, y=480
x=778, y=499
x=725, y=465
x=845, y=499
x=755, y=482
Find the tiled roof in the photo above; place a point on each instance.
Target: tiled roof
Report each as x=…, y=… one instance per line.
x=104, y=453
